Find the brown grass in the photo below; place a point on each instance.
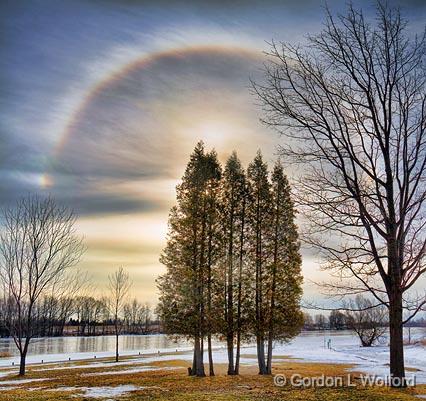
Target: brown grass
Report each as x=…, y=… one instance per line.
x=176, y=385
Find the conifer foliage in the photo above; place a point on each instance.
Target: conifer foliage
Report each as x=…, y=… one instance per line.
x=232, y=259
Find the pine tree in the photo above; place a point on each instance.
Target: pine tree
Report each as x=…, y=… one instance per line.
x=232, y=259
x=232, y=217
x=285, y=317
x=259, y=223
x=186, y=287
x=213, y=175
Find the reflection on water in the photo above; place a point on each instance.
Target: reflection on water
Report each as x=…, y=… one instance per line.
x=67, y=345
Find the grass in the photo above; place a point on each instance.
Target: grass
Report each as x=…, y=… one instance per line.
x=167, y=384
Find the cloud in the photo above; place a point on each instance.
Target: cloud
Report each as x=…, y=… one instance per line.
x=141, y=128
x=129, y=144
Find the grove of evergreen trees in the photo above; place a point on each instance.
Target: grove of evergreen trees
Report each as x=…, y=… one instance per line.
x=232, y=258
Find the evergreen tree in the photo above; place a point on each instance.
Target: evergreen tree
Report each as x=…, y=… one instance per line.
x=185, y=288
x=232, y=259
x=259, y=223
x=232, y=217
x=212, y=195
x=285, y=317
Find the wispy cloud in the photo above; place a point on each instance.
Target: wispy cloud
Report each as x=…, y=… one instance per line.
x=124, y=150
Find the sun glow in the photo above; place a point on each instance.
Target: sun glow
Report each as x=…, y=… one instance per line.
x=46, y=181
x=215, y=133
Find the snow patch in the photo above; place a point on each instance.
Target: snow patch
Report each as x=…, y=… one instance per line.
x=9, y=373
x=21, y=381
x=12, y=384
x=8, y=388
x=100, y=392
x=103, y=392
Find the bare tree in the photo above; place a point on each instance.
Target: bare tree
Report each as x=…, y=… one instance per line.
x=336, y=320
x=368, y=322
x=119, y=287
x=352, y=106
x=38, y=248
x=137, y=317
x=145, y=317
x=320, y=322
x=66, y=295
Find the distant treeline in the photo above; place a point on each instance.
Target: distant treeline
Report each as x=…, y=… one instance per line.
x=339, y=321
x=82, y=316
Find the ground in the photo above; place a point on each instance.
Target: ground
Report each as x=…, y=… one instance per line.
x=148, y=379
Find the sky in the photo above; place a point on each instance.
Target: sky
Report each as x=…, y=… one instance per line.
x=102, y=101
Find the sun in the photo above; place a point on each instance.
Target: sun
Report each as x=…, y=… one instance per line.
x=214, y=132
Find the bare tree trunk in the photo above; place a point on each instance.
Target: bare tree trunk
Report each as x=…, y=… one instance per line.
x=22, y=364
x=23, y=356
x=116, y=341
x=397, y=369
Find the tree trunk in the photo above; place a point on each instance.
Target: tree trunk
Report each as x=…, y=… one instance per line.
x=261, y=355
x=209, y=344
x=397, y=369
x=269, y=353
x=194, y=363
x=198, y=354
x=116, y=343
x=230, y=346
x=237, y=356
x=22, y=363
x=23, y=354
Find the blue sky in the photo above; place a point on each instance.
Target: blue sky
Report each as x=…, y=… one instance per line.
x=114, y=149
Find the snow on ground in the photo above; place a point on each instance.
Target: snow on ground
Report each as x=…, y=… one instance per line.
x=8, y=373
x=101, y=392
x=309, y=346
x=345, y=348
x=21, y=381
x=12, y=384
